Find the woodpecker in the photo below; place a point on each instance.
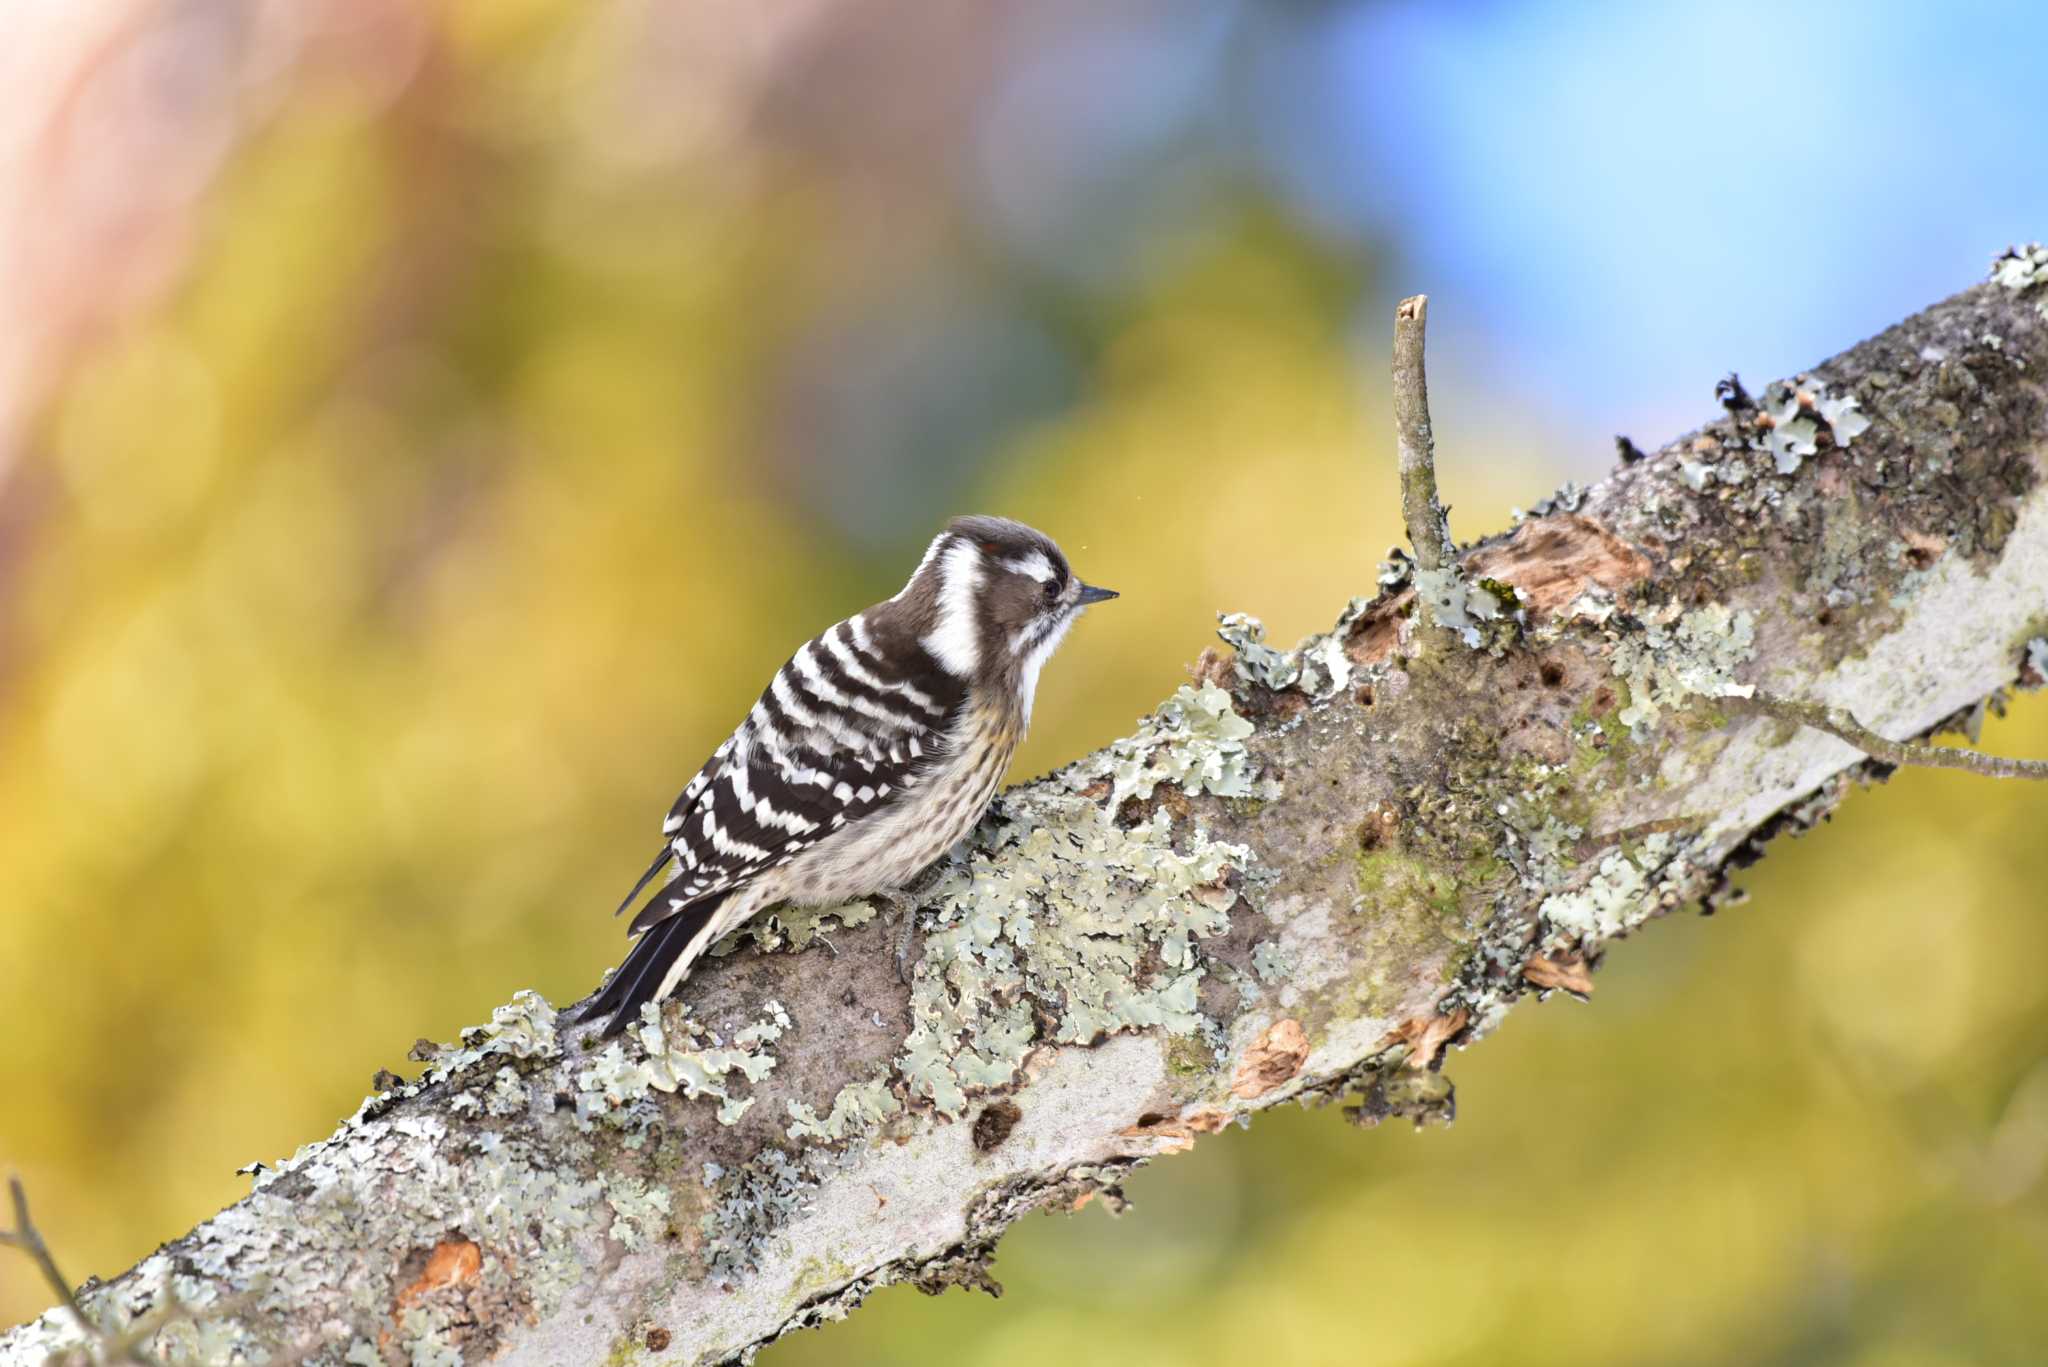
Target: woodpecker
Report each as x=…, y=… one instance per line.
x=871, y=752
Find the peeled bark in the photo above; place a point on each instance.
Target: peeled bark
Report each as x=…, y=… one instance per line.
x=1303, y=878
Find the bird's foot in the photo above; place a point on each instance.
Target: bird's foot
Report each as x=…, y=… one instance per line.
x=902, y=905
x=904, y=902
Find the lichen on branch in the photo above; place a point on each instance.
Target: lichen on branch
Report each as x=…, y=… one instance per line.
x=1311, y=874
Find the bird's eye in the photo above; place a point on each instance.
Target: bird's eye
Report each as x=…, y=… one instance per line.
x=1052, y=590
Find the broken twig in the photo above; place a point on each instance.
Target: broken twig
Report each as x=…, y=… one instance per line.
x=26, y=1237
x=1428, y=528
x=1839, y=723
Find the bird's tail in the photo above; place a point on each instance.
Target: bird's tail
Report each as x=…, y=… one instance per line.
x=650, y=964
x=660, y=861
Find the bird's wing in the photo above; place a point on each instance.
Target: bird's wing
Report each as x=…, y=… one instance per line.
x=837, y=735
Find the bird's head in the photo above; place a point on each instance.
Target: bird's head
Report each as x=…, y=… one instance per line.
x=1001, y=599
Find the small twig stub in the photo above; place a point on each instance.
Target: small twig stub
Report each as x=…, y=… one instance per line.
x=1421, y=510
x=26, y=1237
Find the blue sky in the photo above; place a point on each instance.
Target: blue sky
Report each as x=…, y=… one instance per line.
x=1613, y=204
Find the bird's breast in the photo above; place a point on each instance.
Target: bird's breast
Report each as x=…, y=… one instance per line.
x=893, y=846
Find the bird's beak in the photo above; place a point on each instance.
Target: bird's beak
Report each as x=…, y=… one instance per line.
x=1091, y=594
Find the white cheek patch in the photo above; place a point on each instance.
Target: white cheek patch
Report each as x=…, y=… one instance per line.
x=1035, y=661
x=956, y=641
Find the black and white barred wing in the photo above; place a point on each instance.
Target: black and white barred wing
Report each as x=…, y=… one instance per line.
x=836, y=736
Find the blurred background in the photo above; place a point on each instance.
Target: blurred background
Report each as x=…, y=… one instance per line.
x=423, y=426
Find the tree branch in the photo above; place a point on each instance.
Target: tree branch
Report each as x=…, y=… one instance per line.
x=1304, y=878
x=1428, y=527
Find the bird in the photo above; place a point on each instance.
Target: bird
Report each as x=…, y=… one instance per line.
x=874, y=749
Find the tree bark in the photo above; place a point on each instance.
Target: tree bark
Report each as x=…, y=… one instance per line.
x=1302, y=878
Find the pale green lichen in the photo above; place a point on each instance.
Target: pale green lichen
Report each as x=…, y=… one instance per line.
x=1551, y=841
x=1257, y=661
x=2037, y=656
x=1059, y=915
x=1326, y=667
x=2023, y=268
x=332, y=1224
x=1602, y=907
x=793, y=928
x=686, y=1060
x=1319, y=666
x=1456, y=604
x=1796, y=420
x=523, y=1028
x=1196, y=740
x=1569, y=498
x=1787, y=426
x=198, y=1331
x=507, y=1095
x=1793, y=433
x=425, y=1328
x=509, y=1191
x=858, y=1108
x=202, y=1338
x=1619, y=895
x=1843, y=416
x=380, y=1185
x=1670, y=661
x=639, y=1210
x=1271, y=963
x=755, y=1201
x=1060, y=911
